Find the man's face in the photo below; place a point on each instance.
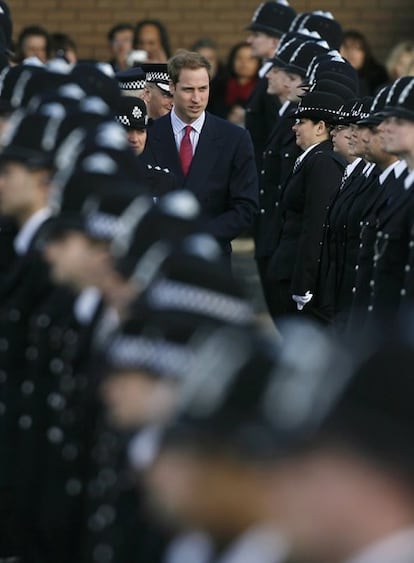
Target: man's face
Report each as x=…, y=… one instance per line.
x=22, y=191
x=356, y=144
x=263, y=45
x=278, y=82
x=137, y=139
x=191, y=93
x=341, y=136
x=135, y=398
x=35, y=46
x=77, y=261
x=159, y=102
x=121, y=45
x=397, y=136
x=295, y=88
x=373, y=146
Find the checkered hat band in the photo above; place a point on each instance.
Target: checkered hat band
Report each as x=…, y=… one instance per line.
x=158, y=77
x=101, y=225
x=123, y=120
x=159, y=356
x=172, y=295
x=132, y=85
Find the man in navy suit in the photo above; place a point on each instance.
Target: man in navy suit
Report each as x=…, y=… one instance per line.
x=209, y=156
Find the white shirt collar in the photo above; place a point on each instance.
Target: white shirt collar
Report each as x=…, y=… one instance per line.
x=384, y=175
x=86, y=305
x=303, y=155
x=409, y=181
x=399, y=169
x=351, y=167
x=29, y=229
x=264, y=69
x=284, y=107
x=257, y=544
x=178, y=124
x=396, y=548
x=368, y=169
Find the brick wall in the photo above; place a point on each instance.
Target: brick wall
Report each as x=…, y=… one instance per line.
x=385, y=22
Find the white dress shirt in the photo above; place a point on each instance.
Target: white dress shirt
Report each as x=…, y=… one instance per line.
x=302, y=156
x=179, y=126
x=396, y=548
x=29, y=229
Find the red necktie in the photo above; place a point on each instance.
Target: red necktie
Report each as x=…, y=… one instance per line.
x=186, y=150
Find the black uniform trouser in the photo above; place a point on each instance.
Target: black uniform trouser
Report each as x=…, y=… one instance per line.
x=267, y=286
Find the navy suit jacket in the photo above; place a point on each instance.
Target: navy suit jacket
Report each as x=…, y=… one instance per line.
x=222, y=174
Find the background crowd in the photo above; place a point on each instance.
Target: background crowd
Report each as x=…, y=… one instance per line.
x=146, y=415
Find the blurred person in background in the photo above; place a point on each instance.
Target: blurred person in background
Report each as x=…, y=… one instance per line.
x=217, y=103
x=33, y=41
x=400, y=60
x=152, y=36
x=243, y=68
x=62, y=45
x=120, y=42
x=357, y=51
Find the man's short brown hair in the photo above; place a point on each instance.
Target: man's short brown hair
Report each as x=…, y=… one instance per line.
x=186, y=59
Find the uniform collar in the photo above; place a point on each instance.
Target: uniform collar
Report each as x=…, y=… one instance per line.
x=302, y=157
x=284, y=107
x=384, y=175
x=399, y=169
x=396, y=548
x=257, y=545
x=351, y=167
x=29, y=229
x=86, y=305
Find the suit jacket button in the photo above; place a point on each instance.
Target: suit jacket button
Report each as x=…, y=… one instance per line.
x=403, y=292
x=277, y=204
x=370, y=308
x=14, y=315
x=55, y=435
x=262, y=211
x=4, y=344
x=261, y=192
x=27, y=387
x=73, y=487
x=25, y=422
x=407, y=268
x=357, y=267
x=262, y=172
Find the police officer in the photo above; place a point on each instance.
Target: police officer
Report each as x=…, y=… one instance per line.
x=270, y=21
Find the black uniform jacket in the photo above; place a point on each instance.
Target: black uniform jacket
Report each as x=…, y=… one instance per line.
x=278, y=160
x=304, y=206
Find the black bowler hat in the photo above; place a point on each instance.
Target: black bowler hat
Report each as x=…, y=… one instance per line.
x=92, y=206
x=320, y=105
x=6, y=23
x=303, y=55
x=254, y=396
x=157, y=73
x=191, y=291
x=157, y=346
x=39, y=83
x=333, y=64
x=341, y=79
x=272, y=18
x=403, y=105
x=10, y=77
x=375, y=116
x=150, y=233
x=31, y=138
x=97, y=80
x=132, y=113
x=323, y=23
x=334, y=87
x=131, y=79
